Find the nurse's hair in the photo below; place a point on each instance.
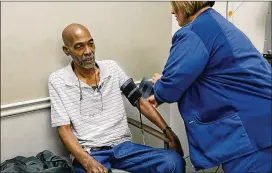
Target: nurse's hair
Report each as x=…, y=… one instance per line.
x=189, y=8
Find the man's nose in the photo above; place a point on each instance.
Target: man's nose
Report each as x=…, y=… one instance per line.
x=87, y=51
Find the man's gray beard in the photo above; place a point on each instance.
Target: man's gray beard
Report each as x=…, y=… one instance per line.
x=88, y=66
x=81, y=63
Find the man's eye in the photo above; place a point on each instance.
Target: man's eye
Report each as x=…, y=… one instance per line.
x=78, y=46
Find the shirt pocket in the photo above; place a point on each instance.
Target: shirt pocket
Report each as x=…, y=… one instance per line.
x=215, y=142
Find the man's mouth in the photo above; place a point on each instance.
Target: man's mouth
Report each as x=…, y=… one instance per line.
x=88, y=59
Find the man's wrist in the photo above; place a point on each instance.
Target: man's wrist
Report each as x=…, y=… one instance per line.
x=85, y=160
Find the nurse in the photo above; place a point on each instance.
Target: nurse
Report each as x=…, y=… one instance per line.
x=222, y=86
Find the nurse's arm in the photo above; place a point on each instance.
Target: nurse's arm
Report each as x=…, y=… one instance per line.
x=187, y=60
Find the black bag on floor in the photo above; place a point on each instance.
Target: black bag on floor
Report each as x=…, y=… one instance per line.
x=45, y=161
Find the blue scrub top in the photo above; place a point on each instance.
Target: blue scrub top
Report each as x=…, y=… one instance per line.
x=223, y=88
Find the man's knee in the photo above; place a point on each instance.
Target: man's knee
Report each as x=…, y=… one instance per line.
x=172, y=162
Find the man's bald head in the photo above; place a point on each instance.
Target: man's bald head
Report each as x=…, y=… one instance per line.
x=72, y=32
x=79, y=44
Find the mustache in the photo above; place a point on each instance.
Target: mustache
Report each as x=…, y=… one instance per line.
x=87, y=57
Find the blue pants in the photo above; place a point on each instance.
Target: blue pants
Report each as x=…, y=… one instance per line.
x=257, y=162
x=137, y=158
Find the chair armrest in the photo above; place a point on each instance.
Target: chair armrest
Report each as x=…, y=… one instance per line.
x=150, y=130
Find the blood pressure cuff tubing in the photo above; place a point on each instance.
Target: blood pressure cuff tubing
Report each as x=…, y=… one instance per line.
x=131, y=91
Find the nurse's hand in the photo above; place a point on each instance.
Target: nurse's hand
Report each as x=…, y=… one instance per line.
x=152, y=101
x=174, y=142
x=155, y=77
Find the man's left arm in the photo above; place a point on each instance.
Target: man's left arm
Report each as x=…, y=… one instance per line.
x=152, y=114
x=155, y=117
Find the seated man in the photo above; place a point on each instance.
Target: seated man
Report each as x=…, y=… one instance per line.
x=87, y=108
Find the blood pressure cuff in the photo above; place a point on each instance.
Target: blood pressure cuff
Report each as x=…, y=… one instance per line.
x=146, y=87
x=131, y=91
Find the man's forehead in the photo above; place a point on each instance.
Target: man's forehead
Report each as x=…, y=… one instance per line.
x=80, y=35
x=78, y=31
x=75, y=33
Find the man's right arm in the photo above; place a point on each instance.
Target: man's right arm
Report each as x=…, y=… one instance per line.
x=72, y=145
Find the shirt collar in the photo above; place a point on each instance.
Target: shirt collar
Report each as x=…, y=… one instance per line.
x=70, y=77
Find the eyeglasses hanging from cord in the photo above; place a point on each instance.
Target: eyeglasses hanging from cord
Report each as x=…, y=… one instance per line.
x=97, y=87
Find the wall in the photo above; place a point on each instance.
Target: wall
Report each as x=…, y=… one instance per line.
x=129, y=32
x=28, y=134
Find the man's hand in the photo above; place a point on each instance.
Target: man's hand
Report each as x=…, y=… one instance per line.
x=155, y=77
x=84, y=158
x=152, y=101
x=174, y=142
x=92, y=166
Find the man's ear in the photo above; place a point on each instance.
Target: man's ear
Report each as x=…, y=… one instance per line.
x=65, y=50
